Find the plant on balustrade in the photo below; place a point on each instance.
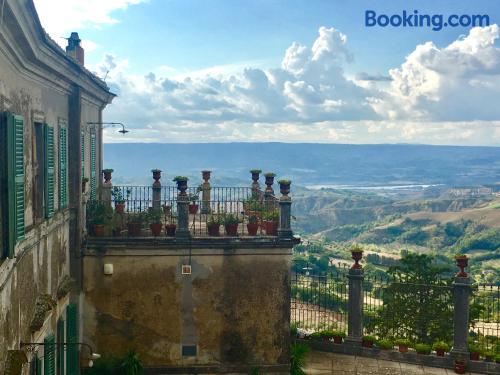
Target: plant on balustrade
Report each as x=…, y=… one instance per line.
x=231, y=222
x=193, y=203
x=213, y=225
x=119, y=199
x=385, y=344
x=135, y=223
x=475, y=350
x=368, y=341
x=403, y=345
x=253, y=225
x=440, y=347
x=422, y=348
x=153, y=218
x=271, y=221
x=99, y=215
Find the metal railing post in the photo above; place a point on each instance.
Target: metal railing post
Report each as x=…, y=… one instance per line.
x=461, y=295
x=355, y=302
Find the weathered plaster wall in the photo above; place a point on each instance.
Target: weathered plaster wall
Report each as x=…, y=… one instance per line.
x=234, y=306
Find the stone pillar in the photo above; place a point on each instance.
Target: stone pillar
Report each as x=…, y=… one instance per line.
x=205, y=195
x=156, y=189
x=256, y=193
x=182, y=211
x=355, y=303
x=106, y=186
x=461, y=294
x=285, y=228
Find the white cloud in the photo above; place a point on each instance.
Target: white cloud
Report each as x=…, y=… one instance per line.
x=438, y=95
x=60, y=17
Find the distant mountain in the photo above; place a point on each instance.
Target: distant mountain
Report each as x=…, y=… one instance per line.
x=308, y=164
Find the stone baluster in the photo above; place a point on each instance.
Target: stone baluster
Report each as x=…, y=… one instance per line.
x=156, y=189
x=285, y=203
x=461, y=293
x=269, y=192
x=205, y=192
x=256, y=193
x=182, y=210
x=355, y=304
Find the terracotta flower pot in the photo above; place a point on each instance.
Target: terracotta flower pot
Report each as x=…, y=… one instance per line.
x=193, y=209
x=403, y=348
x=460, y=367
x=337, y=339
x=231, y=229
x=170, y=229
x=440, y=352
x=134, y=229
x=98, y=230
x=155, y=229
x=119, y=208
x=474, y=356
x=367, y=344
x=213, y=230
x=252, y=228
x=271, y=228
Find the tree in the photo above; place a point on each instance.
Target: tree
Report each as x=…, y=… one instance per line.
x=417, y=303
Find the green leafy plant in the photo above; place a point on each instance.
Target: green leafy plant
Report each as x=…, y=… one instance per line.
x=273, y=215
x=153, y=216
x=255, y=171
x=369, y=338
x=385, y=344
x=403, y=342
x=131, y=364
x=489, y=355
x=214, y=220
x=284, y=182
x=138, y=217
x=422, y=348
x=85, y=179
x=440, y=345
x=99, y=213
x=180, y=178
x=338, y=334
x=117, y=194
x=293, y=329
x=497, y=358
x=270, y=174
x=298, y=358
x=474, y=348
x=253, y=219
x=193, y=198
x=108, y=170
x=315, y=335
x=231, y=219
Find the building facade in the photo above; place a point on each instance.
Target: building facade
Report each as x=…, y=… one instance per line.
x=47, y=97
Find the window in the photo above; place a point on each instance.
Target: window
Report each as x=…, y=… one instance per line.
x=63, y=160
x=39, y=172
x=60, y=348
x=49, y=350
x=49, y=171
x=72, y=338
x=93, y=166
x=12, y=182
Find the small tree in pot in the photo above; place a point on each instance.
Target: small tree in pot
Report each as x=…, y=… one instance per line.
x=368, y=341
x=385, y=344
x=231, y=222
x=119, y=199
x=440, y=347
x=170, y=225
x=338, y=336
x=135, y=223
x=213, y=225
x=98, y=216
x=271, y=222
x=403, y=345
x=193, y=203
x=475, y=351
x=154, y=220
x=253, y=225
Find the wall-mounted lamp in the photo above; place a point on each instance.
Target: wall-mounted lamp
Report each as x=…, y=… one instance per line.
x=112, y=124
x=33, y=347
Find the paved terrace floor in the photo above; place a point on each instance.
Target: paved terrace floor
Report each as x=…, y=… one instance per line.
x=322, y=363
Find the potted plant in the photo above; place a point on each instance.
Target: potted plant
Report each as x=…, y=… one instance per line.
x=193, y=205
x=440, y=347
x=315, y=336
x=231, y=222
x=84, y=184
x=271, y=222
x=213, y=225
x=119, y=199
x=497, y=358
x=385, y=344
x=326, y=335
x=460, y=365
x=368, y=341
x=135, y=222
x=154, y=220
x=403, y=345
x=181, y=183
x=489, y=356
x=170, y=226
x=170, y=229
x=475, y=352
x=338, y=336
x=422, y=348
x=98, y=216
x=253, y=225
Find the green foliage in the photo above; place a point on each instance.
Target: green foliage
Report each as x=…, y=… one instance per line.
x=105, y=366
x=214, y=220
x=255, y=171
x=231, y=219
x=180, y=178
x=131, y=364
x=385, y=344
x=293, y=329
x=369, y=338
x=423, y=348
x=99, y=213
x=485, y=240
x=193, y=198
x=270, y=174
x=440, y=345
x=298, y=358
x=285, y=182
x=404, y=342
x=474, y=348
x=154, y=216
x=273, y=215
x=139, y=217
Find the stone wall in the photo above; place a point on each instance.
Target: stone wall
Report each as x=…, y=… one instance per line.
x=234, y=307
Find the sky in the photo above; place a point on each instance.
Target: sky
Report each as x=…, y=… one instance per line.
x=288, y=70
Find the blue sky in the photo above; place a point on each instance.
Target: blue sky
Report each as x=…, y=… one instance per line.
x=161, y=43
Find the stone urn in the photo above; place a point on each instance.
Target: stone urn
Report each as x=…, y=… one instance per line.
x=206, y=175
x=285, y=187
x=462, y=262
x=356, y=254
x=156, y=174
x=181, y=184
x=107, y=175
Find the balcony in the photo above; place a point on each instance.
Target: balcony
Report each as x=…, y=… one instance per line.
x=176, y=214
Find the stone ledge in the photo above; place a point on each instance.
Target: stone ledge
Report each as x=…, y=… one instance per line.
x=218, y=369
x=395, y=356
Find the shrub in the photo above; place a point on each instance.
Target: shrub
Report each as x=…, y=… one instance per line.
x=422, y=348
x=293, y=329
x=474, y=348
x=385, y=344
x=441, y=345
x=131, y=364
x=298, y=358
x=490, y=356
x=497, y=358
x=315, y=335
x=369, y=338
x=338, y=334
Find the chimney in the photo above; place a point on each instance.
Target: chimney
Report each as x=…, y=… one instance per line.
x=74, y=49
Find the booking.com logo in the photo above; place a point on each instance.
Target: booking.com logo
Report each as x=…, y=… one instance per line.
x=415, y=19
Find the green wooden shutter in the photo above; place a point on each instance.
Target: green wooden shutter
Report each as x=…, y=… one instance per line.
x=49, y=171
x=63, y=173
x=93, y=172
x=49, y=363
x=72, y=339
x=15, y=180
x=82, y=151
x=60, y=348
x=39, y=366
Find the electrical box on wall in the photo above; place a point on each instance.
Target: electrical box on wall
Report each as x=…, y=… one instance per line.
x=186, y=269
